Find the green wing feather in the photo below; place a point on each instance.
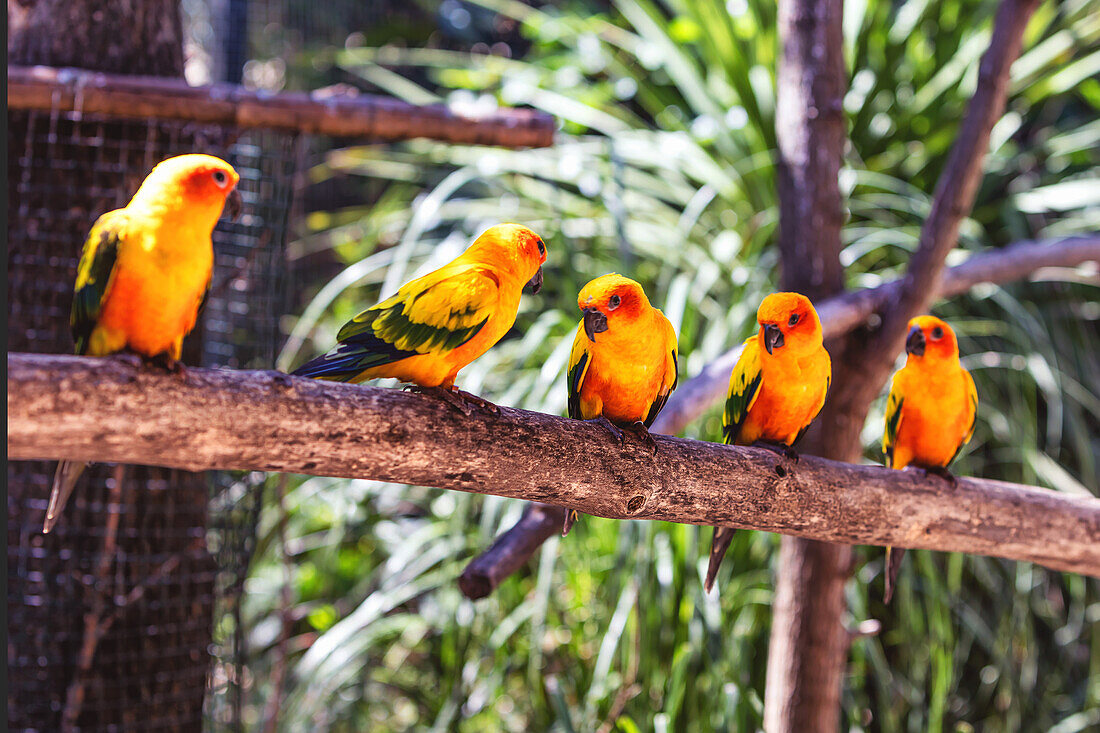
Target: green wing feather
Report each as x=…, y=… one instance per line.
x=743, y=391
x=972, y=394
x=95, y=275
x=893, y=422
x=672, y=365
x=579, y=360
x=433, y=314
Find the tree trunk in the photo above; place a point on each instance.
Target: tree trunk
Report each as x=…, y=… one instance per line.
x=117, y=36
x=808, y=648
x=809, y=644
x=111, y=614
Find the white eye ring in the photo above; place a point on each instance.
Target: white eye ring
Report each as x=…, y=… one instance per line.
x=220, y=178
x=613, y=302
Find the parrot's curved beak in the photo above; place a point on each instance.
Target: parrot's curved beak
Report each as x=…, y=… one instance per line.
x=594, y=322
x=234, y=204
x=773, y=337
x=914, y=342
x=536, y=281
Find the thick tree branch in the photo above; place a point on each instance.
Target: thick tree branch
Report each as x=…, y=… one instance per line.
x=844, y=313
x=109, y=410
x=362, y=116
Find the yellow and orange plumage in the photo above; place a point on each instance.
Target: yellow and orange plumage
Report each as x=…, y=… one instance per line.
x=931, y=410
x=776, y=388
x=439, y=323
x=144, y=272
x=622, y=367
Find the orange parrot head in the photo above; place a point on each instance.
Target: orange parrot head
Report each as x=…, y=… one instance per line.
x=608, y=300
x=513, y=249
x=196, y=183
x=931, y=339
x=789, y=322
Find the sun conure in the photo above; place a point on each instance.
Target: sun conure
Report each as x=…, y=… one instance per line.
x=145, y=271
x=623, y=363
x=776, y=388
x=437, y=324
x=930, y=412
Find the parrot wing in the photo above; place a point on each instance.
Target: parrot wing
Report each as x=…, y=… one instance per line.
x=893, y=421
x=670, y=377
x=743, y=391
x=95, y=275
x=579, y=360
x=972, y=396
x=434, y=314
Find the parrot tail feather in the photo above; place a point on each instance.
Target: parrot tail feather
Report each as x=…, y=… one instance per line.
x=894, y=556
x=719, y=543
x=571, y=516
x=64, y=480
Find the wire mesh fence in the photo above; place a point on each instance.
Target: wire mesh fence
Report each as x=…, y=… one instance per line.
x=123, y=616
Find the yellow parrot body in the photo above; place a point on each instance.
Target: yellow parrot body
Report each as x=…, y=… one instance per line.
x=930, y=413
x=156, y=288
x=790, y=394
x=144, y=272
x=439, y=323
x=777, y=387
x=627, y=373
x=622, y=366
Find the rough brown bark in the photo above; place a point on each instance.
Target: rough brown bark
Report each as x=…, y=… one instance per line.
x=113, y=410
x=115, y=36
x=361, y=116
x=809, y=126
x=808, y=647
x=839, y=315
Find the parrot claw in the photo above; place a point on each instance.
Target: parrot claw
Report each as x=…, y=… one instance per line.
x=464, y=402
x=944, y=474
x=130, y=359
x=167, y=363
x=781, y=448
x=640, y=431
x=611, y=428
x=441, y=393
x=481, y=402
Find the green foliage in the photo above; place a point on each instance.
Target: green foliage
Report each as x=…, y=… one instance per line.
x=664, y=171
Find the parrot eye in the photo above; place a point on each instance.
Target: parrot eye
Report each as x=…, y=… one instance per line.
x=613, y=302
x=937, y=333
x=542, y=248
x=220, y=178
x=793, y=320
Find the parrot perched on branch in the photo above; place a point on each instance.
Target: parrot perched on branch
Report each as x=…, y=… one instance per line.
x=437, y=324
x=623, y=364
x=144, y=273
x=930, y=413
x=776, y=389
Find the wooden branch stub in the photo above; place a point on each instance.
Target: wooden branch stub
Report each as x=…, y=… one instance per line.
x=108, y=410
x=370, y=117
x=510, y=550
